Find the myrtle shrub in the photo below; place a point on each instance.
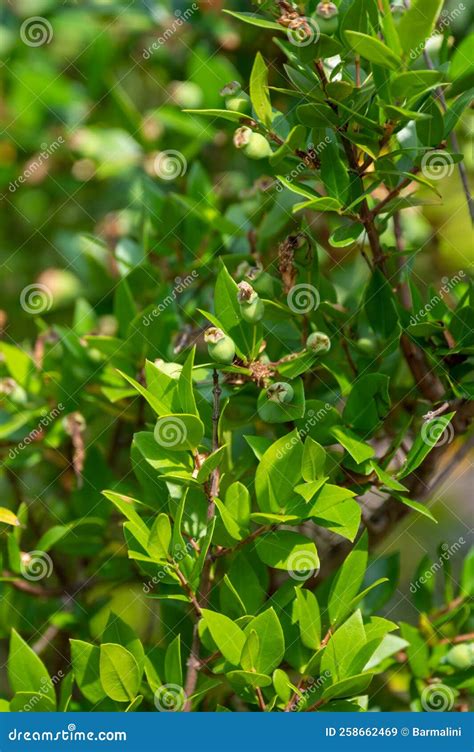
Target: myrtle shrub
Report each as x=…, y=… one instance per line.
x=223, y=452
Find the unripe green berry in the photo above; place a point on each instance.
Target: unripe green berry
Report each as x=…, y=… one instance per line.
x=251, y=307
x=327, y=18
x=241, y=103
x=254, y=145
x=280, y=392
x=461, y=656
x=366, y=345
x=318, y=342
x=220, y=347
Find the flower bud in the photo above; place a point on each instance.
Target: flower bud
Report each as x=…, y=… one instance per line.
x=366, y=345
x=251, y=307
x=254, y=145
x=327, y=18
x=221, y=348
x=280, y=392
x=318, y=342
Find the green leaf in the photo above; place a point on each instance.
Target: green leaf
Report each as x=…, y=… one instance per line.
x=308, y=617
x=26, y=671
x=228, y=521
x=173, y=667
x=119, y=672
x=348, y=580
x=314, y=460
x=290, y=551
x=432, y=432
x=417, y=507
x=278, y=473
x=417, y=650
x=160, y=537
x=270, y=638
x=254, y=20
x=409, y=83
x=342, y=648
x=368, y=403
x=178, y=432
x=185, y=386
x=259, y=95
x=316, y=115
x=119, y=632
x=416, y=25
x=228, y=637
x=85, y=659
x=358, y=449
x=228, y=313
x=334, y=173
x=250, y=651
x=373, y=50
x=31, y=702
x=354, y=685
x=379, y=305
x=234, y=117
x=210, y=464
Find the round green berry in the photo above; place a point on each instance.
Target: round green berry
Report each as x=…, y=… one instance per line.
x=366, y=345
x=254, y=145
x=280, y=392
x=318, y=342
x=220, y=347
x=326, y=17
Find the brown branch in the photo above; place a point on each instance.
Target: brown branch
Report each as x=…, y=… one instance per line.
x=194, y=662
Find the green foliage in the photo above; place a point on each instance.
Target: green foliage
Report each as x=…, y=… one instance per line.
x=248, y=381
